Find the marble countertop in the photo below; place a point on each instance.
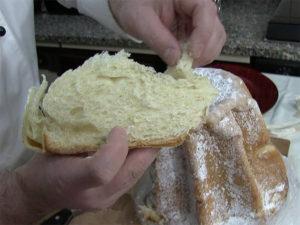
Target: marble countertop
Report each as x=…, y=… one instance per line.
x=245, y=22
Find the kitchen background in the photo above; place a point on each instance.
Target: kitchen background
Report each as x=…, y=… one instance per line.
x=65, y=38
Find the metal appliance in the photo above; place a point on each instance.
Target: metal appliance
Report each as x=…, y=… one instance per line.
x=285, y=24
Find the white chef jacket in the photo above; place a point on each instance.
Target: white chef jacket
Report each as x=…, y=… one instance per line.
x=19, y=71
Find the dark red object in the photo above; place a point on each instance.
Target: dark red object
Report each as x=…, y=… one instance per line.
x=262, y=89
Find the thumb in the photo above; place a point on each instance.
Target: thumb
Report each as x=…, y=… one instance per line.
x=100, y=168
x=150, y=29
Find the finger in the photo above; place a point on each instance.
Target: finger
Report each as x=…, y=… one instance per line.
x=204, y=15
x=136, y=164
x=150, y=29
x=106, y=162
x=213, y=48
x=102, y=166
x=183, y=29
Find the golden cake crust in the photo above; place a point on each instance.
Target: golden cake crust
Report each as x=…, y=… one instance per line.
x=227, y=171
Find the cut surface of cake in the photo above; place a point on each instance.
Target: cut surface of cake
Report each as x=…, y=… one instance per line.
x=80, y=108
x=226, y=173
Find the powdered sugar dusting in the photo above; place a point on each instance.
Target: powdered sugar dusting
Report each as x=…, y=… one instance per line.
x=231, y=92
x=251, y=122
x=272, y=198
x=236, y=221
x=200, y=157
x=232, y=96
x=218, y=153
x=216, y=160
x=229, y=86
x=174, y=198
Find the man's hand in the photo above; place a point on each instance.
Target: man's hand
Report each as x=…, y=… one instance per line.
x=161, y=24
x=51, y=182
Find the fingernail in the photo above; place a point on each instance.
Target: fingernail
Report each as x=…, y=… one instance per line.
x=119, y=131
x=171, y=56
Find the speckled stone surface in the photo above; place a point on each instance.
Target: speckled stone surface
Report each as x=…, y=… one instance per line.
x=246, y=25
x=245, y=22
x=79, y=30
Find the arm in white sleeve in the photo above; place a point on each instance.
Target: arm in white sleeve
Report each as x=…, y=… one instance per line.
x=100, y=11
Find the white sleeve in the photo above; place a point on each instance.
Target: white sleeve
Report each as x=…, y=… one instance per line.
x=100, y=11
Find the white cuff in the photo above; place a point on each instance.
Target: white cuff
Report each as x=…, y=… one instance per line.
x=100, y=11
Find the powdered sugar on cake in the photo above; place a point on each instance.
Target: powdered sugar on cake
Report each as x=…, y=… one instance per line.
x=210, y=179
x=223, y=151
x=231, y=93
x=225, y=83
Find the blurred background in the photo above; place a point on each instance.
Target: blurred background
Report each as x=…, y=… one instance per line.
x=65, y=38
